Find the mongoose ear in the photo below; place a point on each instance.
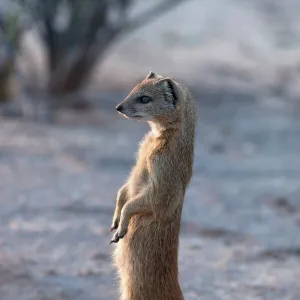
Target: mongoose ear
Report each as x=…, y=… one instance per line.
x=172, y=90
x=151, y=75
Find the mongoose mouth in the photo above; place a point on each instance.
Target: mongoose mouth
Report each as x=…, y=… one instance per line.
x=129, y=116
x=137, y=118
x=145, y=118
x=125, y=116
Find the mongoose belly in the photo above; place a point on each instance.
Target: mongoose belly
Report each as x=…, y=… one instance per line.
x=147, y=259
x=137, y=181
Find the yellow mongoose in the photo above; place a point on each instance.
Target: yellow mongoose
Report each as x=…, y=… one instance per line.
x=148, y=210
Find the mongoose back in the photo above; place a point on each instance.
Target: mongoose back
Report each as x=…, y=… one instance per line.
x=149, y=205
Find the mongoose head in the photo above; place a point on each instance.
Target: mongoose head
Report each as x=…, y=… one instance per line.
x=155, y=99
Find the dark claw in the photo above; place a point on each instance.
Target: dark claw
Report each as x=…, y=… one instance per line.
x=114, y=225
x=115, y=240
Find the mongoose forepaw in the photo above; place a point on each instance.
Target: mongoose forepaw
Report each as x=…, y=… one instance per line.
x=113, y=227
x=115, y=224
x=117, y=237
x=114, y=240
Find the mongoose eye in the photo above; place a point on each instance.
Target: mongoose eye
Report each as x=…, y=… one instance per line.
x=144, y=99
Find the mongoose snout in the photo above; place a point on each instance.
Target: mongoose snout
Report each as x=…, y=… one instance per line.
x=119, y=107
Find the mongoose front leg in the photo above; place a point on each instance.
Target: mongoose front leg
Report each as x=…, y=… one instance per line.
x=121, y=200
x=133, y=207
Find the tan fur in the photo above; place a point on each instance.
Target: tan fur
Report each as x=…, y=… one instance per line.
x=149, y=205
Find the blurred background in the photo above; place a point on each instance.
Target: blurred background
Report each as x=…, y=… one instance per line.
x=65, y=152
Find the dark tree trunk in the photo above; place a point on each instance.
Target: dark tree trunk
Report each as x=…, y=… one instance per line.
x=76, y=35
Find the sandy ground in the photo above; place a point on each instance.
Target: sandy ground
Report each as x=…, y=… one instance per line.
x=240, y=229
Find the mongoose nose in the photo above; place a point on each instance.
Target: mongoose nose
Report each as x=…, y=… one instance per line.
x=119, y=108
